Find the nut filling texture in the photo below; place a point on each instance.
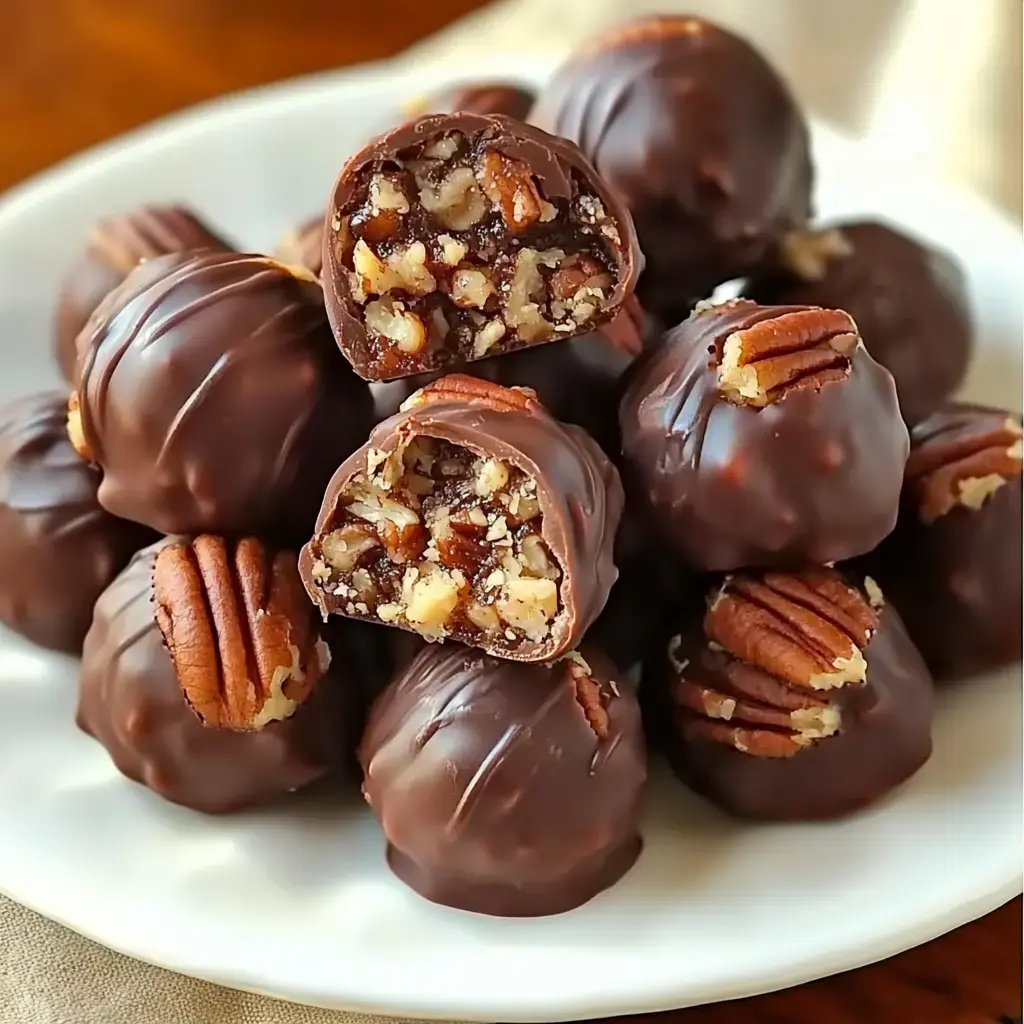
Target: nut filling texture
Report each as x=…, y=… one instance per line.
x=453, y=247
x=445, y=542
x=471, y=514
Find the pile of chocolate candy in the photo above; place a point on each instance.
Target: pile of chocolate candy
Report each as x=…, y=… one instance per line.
x=431, y=489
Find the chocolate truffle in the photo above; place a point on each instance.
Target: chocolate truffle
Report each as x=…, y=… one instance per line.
x=58, y=549
x=477, y=98
x=460, y=236
x=909, y=302
x=765, y=435
x=578, y=381
x=475, y=515
x=799, y=696
x=701, y=138
x=953, y=565
x=504, y=788
x=114, y=248
x=213, y=398
x=246, y=654
x=304, y=247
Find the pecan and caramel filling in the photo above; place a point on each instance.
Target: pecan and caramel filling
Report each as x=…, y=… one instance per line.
x=439, y=540
x=453, y=252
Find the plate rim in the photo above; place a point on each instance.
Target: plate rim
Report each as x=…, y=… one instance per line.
x=173, y=129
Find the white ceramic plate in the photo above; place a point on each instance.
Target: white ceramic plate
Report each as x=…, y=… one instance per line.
x=297, y=901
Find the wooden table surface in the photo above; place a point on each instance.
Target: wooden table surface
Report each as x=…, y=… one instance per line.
x=74, y=72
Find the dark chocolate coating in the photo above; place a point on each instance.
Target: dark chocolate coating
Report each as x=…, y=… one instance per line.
x=653, y=583
x=556, y=164
x=496, y=793
x=304, y=247
x=909, y=302
x=114, y=248
x=812, y=477
x=478, y=98
x=700, y=136
x=213, y=397
x=578, y=381
x=58, y=549
x=130, y=700
x=578, y=489
x=884, y=739
x=956, y=579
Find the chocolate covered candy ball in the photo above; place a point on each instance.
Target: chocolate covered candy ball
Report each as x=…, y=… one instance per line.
x=114, y=249
x=953, y=564
x=474, y=515
x=798, y=696
x=765, y=435
x=58, y=548
x=213, y=398
x=206, y=678
x=506, y=98
x=701, y=138
x=461, y=236
x=505, y=788
x=909, y=302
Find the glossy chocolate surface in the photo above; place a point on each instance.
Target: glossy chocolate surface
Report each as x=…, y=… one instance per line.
x=702, y=139
x=813, y=476
x=578, y=490
x=562, y=177
x=953, y=567
x=213, y=397
x=504, y=788
x=58, y=549
x=131, y=701
x=884, y=734
x=478, y=98
x=114, y=248
x=909, y=301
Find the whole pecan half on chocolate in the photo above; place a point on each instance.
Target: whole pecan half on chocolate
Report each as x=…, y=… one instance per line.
x=963, y=460
x=800, y=348
x=462, y=387
x=239, y=629
x=774, y=650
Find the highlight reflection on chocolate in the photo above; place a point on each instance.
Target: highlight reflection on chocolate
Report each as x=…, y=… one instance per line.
x=131, y=701
x=797, y=696
x=702, y=139
x=115, y=247
x=765, y=435
x=505, y=788
x=58, y=548
x=213, y=398
x=953, y=564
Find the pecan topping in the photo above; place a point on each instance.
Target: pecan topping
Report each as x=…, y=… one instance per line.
x=589, y=695
x=239, y=629
x=775, y=647
x=460, y=386
x=804, y=348
x=966, y=470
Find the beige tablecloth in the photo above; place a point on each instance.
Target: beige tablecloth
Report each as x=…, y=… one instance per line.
x=866, y=64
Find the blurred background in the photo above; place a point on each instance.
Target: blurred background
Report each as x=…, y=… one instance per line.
x=932, y=81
